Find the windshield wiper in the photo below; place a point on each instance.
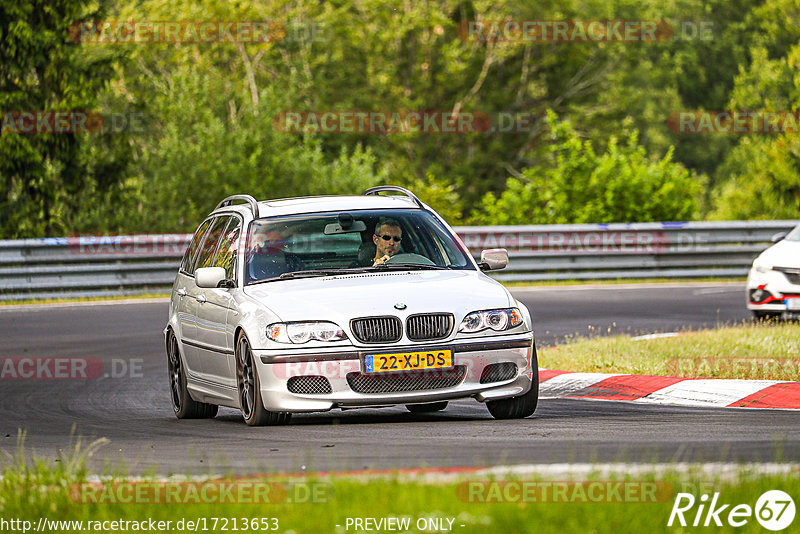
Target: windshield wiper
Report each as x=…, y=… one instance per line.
x=319, y=272
x=409, y=266
x=310, y=274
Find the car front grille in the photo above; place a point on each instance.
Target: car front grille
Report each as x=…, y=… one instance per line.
x=429, y=326
x=406, y=380
x=792, y=274
x=377, y=329
x=498, y=372
x=309, y=385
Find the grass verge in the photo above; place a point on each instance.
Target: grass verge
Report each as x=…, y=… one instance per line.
x=543, y=283
x=154, y=295
x=63, y=498
x=769, y=351
x=623, y=281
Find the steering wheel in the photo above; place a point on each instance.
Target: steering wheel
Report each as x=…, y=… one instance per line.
x=410, y=257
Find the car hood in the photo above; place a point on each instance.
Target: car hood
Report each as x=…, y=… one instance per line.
x=782, y=254
x=341, y=298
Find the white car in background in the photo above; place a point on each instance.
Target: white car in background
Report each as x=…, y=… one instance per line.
x=279, y=307
x=773, y=285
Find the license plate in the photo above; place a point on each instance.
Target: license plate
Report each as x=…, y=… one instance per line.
x=408, y=361
x=793, y=304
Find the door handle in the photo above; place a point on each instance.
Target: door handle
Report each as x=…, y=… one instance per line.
x=201, y=298
x=181, y=292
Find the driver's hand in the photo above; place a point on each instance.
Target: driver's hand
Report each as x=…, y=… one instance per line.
x=381, y=260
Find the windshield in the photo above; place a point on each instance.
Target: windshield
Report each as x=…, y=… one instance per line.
x=329, y=243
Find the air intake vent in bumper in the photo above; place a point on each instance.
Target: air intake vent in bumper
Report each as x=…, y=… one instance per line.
x=498, y=372
x=406, y=380
x=309, y=385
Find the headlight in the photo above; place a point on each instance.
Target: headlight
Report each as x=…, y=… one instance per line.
x=497, y=320
x=300, y=333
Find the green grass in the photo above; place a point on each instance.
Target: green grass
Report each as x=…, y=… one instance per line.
x=37, y=489
x=751, y=351
x=622, y=281
x=542, y=283
x=164, y=295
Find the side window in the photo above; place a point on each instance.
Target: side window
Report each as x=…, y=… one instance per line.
x=191, y=252
x=228, y=247
x=209, y=246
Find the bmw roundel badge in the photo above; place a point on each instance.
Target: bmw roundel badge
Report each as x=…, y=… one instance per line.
x=400, y=306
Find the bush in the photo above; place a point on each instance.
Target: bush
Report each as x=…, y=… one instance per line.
x=577, y=185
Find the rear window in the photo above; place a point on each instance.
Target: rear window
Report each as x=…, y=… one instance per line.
x=187, y=263
x=228, y=248
x=209, y=246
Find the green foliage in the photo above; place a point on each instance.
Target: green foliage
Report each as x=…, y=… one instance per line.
x=760, y=177
x=439, y=195
x=764, y=183
x=580, y=186
x=45, y=178
x=208, y=111
x=200, y=158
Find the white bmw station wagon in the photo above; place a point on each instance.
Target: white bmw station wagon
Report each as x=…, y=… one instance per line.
x=316, y=303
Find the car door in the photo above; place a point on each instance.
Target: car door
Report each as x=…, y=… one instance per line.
x=213, y=331
x=184, y=302
x=196, y=296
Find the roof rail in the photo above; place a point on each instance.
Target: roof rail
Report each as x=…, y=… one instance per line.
x=381, y=188
x=247, y=198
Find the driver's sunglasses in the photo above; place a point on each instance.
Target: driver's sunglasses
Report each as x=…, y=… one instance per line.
x=390, y=237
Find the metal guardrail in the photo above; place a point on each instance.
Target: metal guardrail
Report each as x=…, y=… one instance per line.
x=627, y=251
x=119, y=265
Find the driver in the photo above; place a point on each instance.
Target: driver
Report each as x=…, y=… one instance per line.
x=387, y=238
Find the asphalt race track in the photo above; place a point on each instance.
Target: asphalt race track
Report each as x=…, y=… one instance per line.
x=133, y=412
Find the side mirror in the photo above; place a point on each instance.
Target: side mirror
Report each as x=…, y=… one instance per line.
x=209, y=276
x=493, y=259
x=778, y=237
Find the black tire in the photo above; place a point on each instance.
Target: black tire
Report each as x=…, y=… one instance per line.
x=427, y=408
x=249, y=388
x=522, y=406
x=184, y=406
x=766, y=315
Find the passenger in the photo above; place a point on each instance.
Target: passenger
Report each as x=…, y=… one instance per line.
x=268, y=258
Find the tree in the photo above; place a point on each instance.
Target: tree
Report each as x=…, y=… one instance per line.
x=760, y=177
x=44, y=176
x=581, y=186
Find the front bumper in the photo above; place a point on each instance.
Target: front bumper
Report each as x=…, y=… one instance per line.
x=772, y=291
x=471, y=357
